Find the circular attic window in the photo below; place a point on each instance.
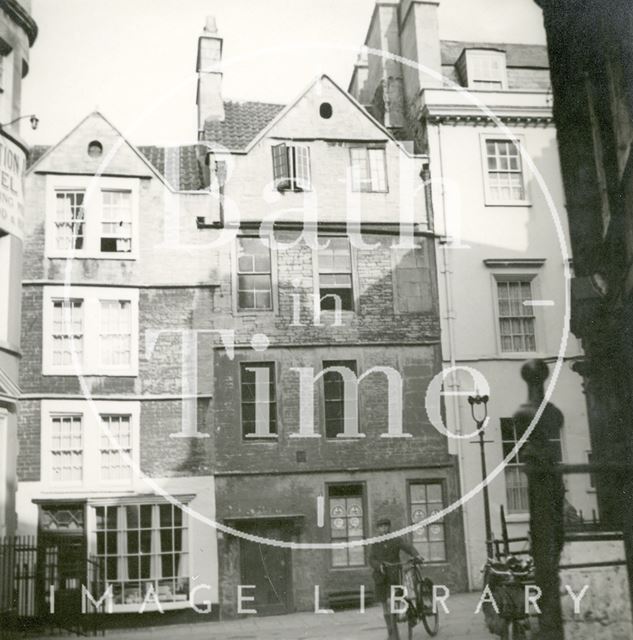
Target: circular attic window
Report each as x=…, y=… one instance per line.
x=95, y=149
x=325, y=110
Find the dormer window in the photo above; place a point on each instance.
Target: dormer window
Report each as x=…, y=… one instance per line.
x=483, y=69
x=291, y=167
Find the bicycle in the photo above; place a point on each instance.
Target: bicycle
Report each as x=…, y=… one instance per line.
x=419, y=598
x=507, y=581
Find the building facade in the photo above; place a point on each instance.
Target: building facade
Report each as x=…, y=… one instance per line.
x=228, y=347
x=116, y=493
x=314, y=309
x=17, y=33
x=503, y=243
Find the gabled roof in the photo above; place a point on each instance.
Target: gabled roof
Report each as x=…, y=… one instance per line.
x=188, y=177
x=362, y=111
x=517, y=55
x=178, y=165
x=242, y=122
x=41, y=155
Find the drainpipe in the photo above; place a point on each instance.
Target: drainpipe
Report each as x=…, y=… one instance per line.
x=454, y=384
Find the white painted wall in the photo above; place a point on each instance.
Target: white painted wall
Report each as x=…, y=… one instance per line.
x=467, y=295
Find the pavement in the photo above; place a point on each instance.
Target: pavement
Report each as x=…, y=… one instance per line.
x=459, y=624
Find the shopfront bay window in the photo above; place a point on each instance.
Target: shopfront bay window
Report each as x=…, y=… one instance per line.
x=143, y=547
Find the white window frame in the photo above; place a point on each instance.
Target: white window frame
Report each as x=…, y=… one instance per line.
x=354, y=275
x=90, y=412
x=367, y=186
x=91, y=297
x=472, y=55
x=297, y=179
x=489, y=200
x=518, y=276
x=235, y=278
x=91, y=528
x=93, y=186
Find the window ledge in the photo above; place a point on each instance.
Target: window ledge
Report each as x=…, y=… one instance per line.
x=90, y=373
x=195, y=434
x=349, y=436
x=523, y=355
x=151, y=606
x=304, y=435
x=396, y=435
x=508, y=203
x=80, y=490
x=518, y=518
x=98, y=256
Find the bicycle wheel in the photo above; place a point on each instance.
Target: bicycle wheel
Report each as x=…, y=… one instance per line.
x=430, y=619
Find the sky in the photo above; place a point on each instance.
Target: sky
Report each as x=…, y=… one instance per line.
x=134, y=60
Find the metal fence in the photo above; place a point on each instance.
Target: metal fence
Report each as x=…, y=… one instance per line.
x=18, y=576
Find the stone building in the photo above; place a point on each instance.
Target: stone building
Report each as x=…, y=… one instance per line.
x=17, y=34
x=248, y=324
x=316, y=468
x=106, y=477
x=503, y=257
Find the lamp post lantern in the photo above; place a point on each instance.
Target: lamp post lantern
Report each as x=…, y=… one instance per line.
x=480, y=420
x=33, y=119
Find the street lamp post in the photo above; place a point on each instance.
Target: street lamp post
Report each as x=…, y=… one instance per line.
x=33, y=119
x=473, y=401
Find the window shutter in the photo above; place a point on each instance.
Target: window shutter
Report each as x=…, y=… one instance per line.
x=302, y=167
x=281, y=168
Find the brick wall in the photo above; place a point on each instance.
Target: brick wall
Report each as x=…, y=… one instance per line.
x=164, y=304
x=384, y=494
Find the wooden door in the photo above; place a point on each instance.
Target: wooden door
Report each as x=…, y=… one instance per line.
x=268, y=568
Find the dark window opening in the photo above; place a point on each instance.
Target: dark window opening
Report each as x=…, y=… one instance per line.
x=95, y=149
x=325, y=110
x=258, y=399
x=337, y=413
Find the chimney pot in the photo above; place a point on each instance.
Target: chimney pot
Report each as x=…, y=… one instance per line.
x=210, y=25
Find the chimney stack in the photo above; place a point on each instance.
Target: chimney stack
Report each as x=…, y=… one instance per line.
x=209, y=95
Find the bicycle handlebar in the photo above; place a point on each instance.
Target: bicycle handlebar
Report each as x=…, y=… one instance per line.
x=413, y=561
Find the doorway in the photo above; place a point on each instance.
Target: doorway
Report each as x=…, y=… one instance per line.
x=62, y=558
x=267, y=567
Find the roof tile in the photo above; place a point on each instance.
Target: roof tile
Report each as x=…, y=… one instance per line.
x=242, y=122
x=178, y=165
